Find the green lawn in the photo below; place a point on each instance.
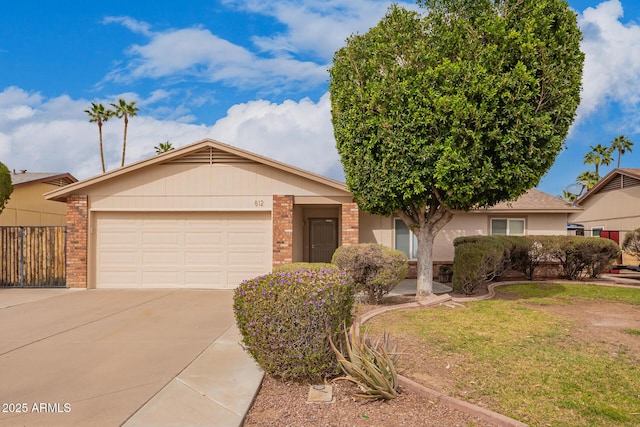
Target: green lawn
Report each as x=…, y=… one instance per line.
x=525, y=362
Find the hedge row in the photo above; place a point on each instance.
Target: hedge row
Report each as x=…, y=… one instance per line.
x=481, y=258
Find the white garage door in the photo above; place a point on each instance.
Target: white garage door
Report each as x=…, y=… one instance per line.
x=215, y=250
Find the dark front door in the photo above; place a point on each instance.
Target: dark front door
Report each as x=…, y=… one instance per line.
x=323, y=239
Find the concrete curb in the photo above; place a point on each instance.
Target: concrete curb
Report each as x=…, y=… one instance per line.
x=451, y=402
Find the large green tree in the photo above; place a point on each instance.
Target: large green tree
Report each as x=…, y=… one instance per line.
x=459, y=107
x=6, y=187
x=122, y=110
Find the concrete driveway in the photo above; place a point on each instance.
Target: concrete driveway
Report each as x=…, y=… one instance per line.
x=109, y=357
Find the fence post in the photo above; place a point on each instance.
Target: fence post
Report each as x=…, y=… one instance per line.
x=21, y=245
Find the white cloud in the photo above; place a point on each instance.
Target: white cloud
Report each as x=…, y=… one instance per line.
x=317, y=26
x=58, y=137
x=612, y=57
x=130, y=23
x=198, y=54
x=298, y=133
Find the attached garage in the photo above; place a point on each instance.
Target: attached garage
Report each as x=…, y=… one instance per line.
x=213, y=250
x=207, y=215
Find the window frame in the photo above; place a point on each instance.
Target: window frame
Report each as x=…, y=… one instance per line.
x=508, y=220
x=413, y=240
x=599, y=228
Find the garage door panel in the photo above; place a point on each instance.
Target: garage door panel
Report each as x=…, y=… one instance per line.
x=197, y=249
x=241, y=259
x=204, y=238
x=197, y=258
x=160, y=258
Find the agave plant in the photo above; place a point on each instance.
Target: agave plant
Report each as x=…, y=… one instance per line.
x=369, y=364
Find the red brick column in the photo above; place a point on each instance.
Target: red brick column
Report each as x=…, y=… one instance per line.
x=77, y=241
x=282, y=230
x=350, y=224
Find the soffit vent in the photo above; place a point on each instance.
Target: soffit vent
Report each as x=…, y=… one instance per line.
x=209, y=156
x=630, y=181
x=614, y=184
x=60, y=182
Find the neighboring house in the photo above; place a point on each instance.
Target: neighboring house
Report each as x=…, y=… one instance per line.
x=611, y=207
x=211, y=215
x=27, y=205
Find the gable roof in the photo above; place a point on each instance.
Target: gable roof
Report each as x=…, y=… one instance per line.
x=53, y=178
x=206, y=151
x=616, y=179
x=533, y=200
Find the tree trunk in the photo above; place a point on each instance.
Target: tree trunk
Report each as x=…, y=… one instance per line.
x=425, y=263
x=124, y=139
x=101, y=150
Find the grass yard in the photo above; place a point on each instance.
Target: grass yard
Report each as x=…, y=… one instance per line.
x=545, y=354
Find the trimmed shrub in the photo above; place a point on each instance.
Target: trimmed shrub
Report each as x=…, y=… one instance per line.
x=526, y=254
x=312, y=266
x=597, y=254
x=477, y=260
x=375, y=269
x=579, y=256
x=287, y=317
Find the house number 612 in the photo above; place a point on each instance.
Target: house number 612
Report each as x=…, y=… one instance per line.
x=258, y=203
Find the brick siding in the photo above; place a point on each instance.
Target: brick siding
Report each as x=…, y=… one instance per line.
x=350, y=224
x=282, y=230
x=77, y=238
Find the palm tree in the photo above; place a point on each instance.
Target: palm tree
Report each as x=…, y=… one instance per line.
x=588, y=179
x=622, y=145
x=163, y=147
x=122, y=109
x=98, y=114
x=599, y=155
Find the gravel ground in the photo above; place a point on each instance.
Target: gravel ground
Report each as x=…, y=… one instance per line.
x=285, y=404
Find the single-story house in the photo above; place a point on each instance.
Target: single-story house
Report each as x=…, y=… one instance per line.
x=27, y=206
x=211, y=215
x=611, y=207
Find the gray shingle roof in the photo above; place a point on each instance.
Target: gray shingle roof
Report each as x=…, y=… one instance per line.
x=535, y=200
x=54, y=178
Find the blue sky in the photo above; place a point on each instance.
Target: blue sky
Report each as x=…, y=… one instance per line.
x=251, y=73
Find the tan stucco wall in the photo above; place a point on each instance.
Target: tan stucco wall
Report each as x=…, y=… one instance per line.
x=376, y=229
x=203, y=187
x=613, y=210
x=28, y=207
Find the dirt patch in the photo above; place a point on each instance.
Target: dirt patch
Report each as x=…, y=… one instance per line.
x=603, y=322
x=284, y=404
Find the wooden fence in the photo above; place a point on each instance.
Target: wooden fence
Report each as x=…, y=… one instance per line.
x=32, y=256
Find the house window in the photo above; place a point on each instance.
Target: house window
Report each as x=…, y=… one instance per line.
x=595, y=231
x=405, y=240
x=507, y=227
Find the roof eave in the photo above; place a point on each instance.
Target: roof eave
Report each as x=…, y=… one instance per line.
x=62, y=193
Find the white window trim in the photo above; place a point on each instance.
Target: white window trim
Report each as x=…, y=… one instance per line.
x=597, y=227
x=524, y=221
x=411, y=238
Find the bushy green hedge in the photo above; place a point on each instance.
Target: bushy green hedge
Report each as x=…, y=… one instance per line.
x=481, y=258
x=581, y=256
x=477, y=259
x=286, y=318
x=375, y=269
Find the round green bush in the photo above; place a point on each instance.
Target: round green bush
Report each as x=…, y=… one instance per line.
x=376, y=269
x=286, y=318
